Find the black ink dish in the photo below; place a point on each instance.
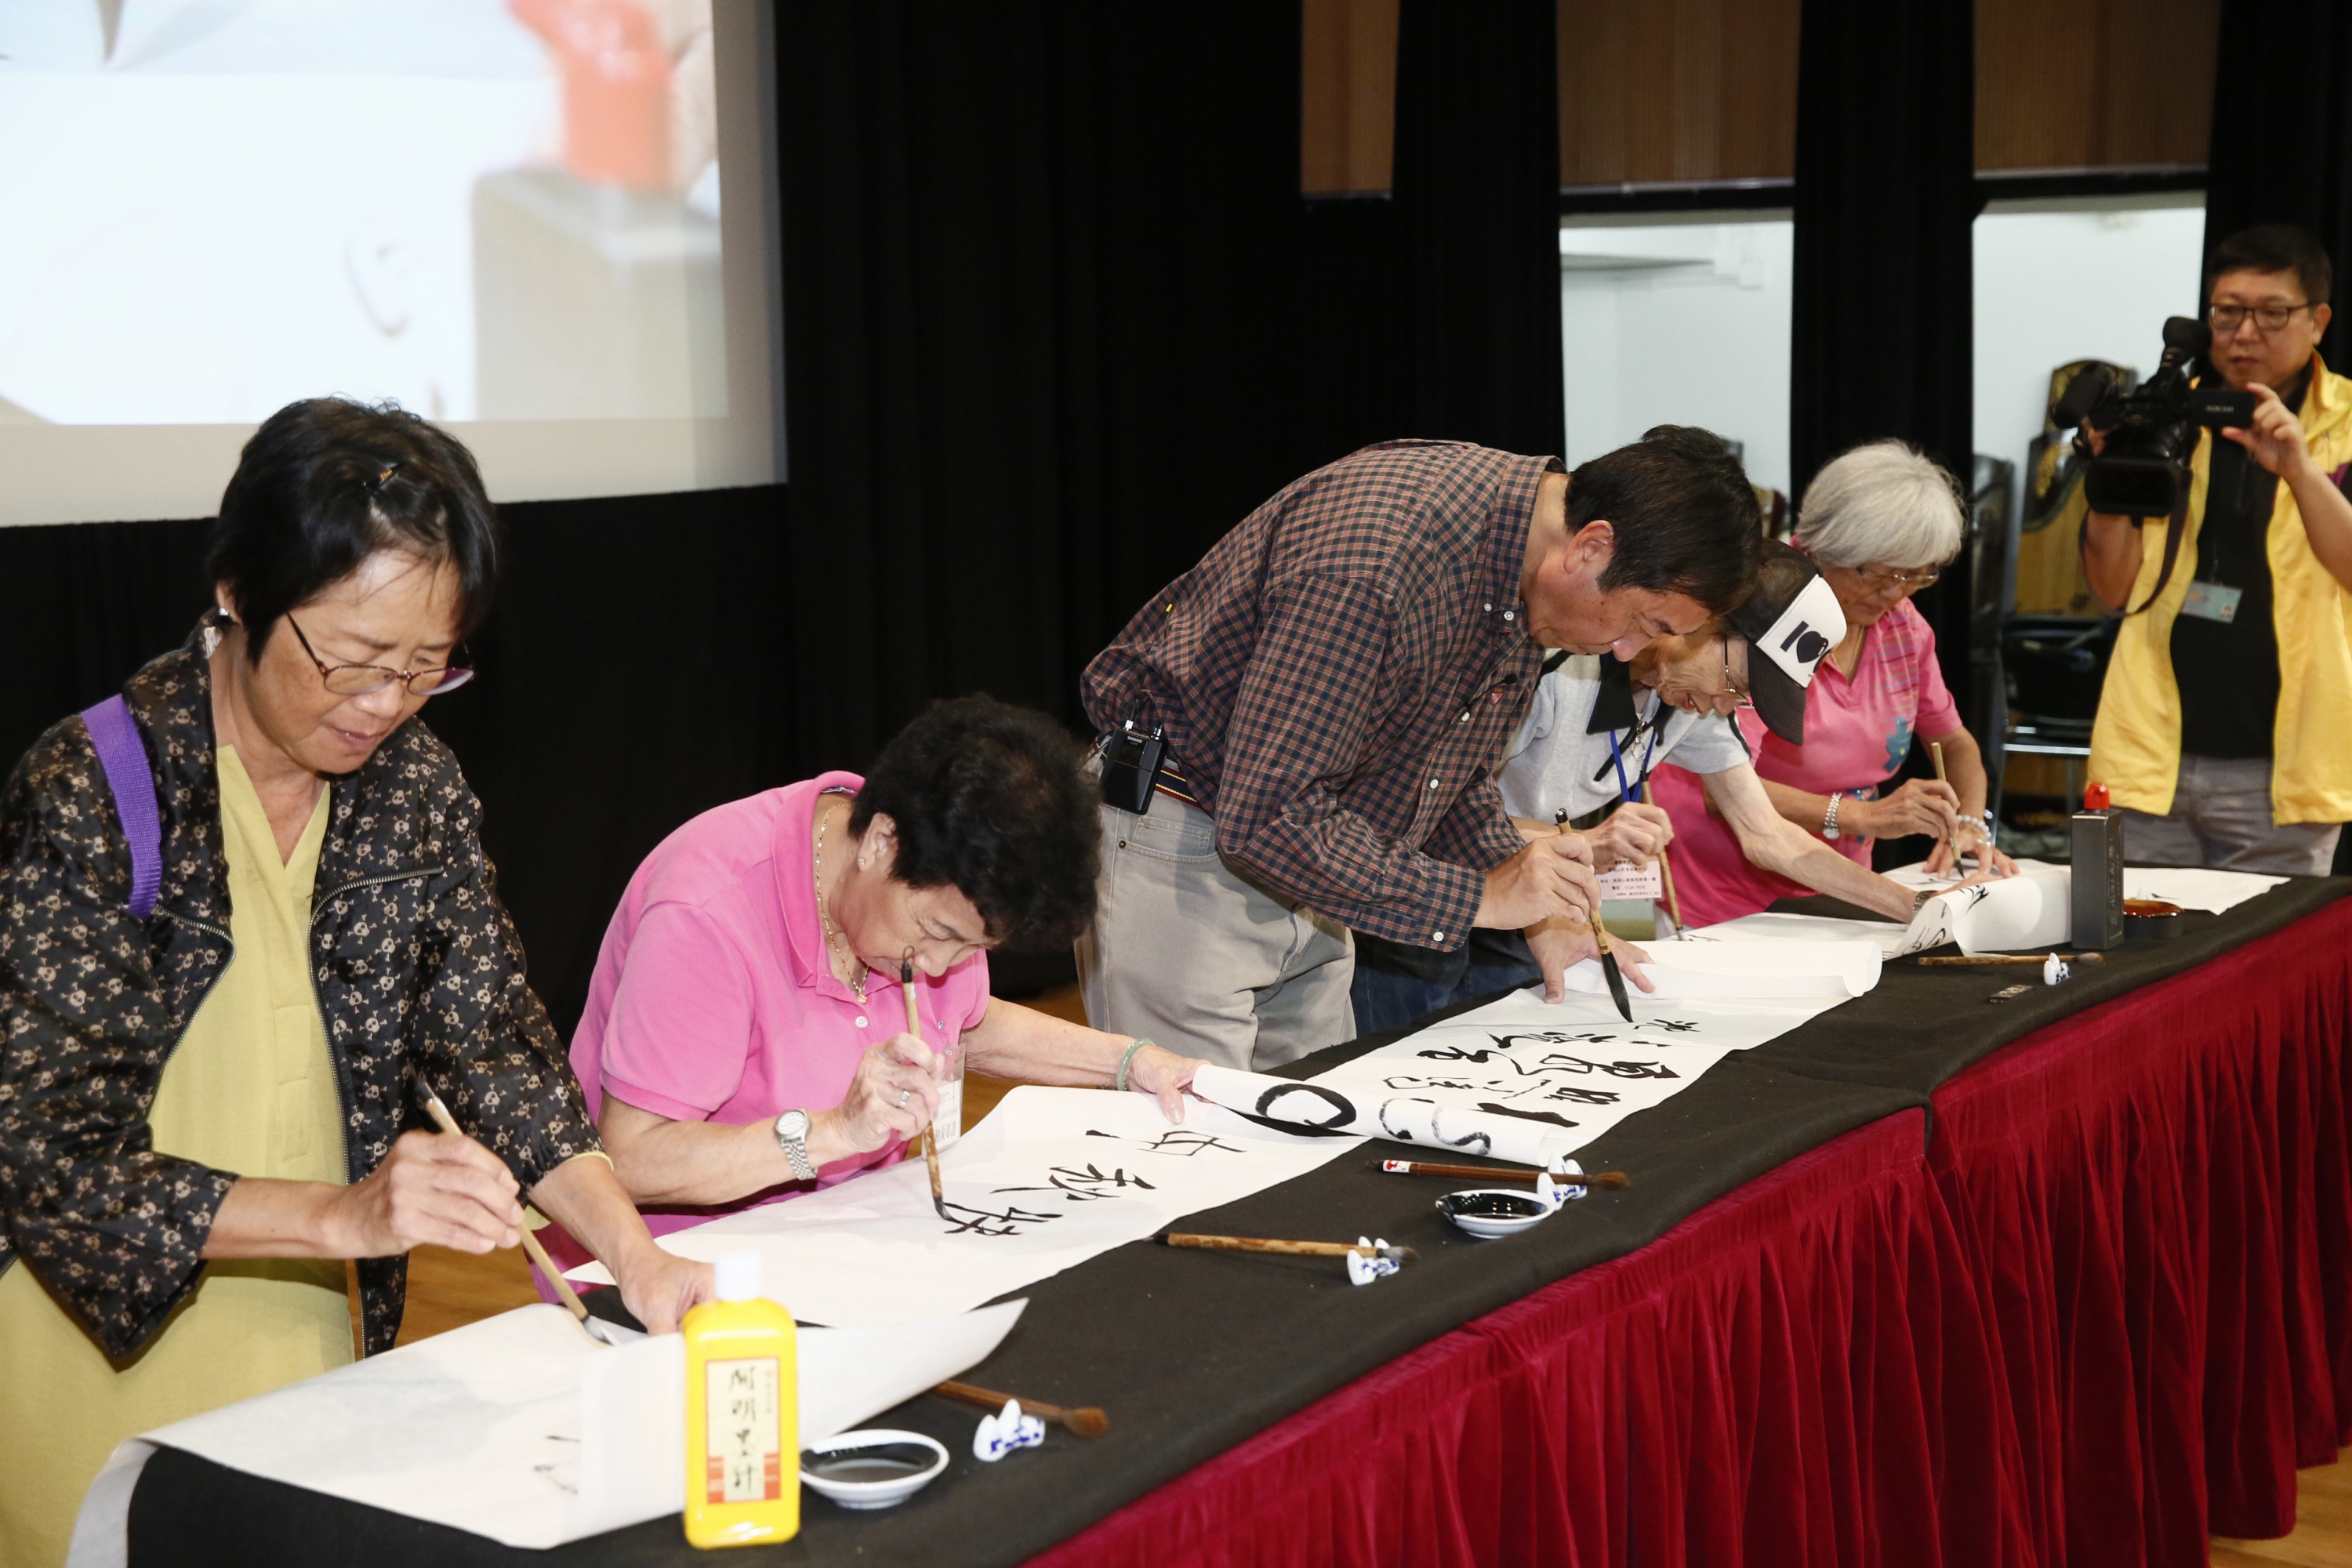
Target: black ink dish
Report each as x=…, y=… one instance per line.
x=1490, y=1212
x=873, y=1469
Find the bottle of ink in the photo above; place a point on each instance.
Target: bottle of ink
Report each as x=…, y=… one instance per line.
x=742, y=1414
x=2096, y=881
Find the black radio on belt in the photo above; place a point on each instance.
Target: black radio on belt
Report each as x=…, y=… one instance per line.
x=1131, y=764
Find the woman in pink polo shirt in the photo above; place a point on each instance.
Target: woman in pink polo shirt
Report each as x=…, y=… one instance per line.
x=1880, y=522
x=745, y=1038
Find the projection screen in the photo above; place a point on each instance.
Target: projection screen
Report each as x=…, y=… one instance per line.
x=504, y=215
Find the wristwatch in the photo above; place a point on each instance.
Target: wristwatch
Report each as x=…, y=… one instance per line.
x=791, y=1137
x=1828, y=817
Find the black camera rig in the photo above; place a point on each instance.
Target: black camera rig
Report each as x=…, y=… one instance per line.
x=2149, y=432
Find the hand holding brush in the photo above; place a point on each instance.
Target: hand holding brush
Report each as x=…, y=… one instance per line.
x=930, y=1133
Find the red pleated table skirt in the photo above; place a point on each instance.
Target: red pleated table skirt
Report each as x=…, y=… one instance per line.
x=2102, y=1311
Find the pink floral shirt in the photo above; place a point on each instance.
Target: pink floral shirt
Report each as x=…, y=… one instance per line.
x=1857, y=732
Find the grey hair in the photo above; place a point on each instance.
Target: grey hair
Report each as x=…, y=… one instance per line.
x=1883, y=502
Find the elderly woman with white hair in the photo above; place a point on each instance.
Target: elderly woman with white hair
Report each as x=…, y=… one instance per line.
x=1880, y=522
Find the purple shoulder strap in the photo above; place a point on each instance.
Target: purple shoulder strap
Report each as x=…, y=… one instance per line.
x=115, y=736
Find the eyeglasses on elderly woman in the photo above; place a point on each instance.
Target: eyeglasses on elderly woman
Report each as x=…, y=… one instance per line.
x=359, y=679
x=1884, y=577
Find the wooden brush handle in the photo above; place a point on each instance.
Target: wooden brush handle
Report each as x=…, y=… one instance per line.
x=2034, y=958
x=1666, y=871
x=1086, y=1421
x=530, y=1247
x=1267, y=1243
x=1936, y=750
x=1600, y=932
x=1666, y=878
x=1605, y=1179
x=931, y=1134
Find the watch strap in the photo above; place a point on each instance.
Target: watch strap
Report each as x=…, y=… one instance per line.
x=796, y=1149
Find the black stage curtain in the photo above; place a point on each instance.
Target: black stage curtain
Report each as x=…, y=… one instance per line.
x=88, y=604
x=1478, y=199
x=2282, y=143
x=1880, y=328
x=1039, y=279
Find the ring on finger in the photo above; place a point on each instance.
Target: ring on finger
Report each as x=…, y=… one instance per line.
x=905, y=1095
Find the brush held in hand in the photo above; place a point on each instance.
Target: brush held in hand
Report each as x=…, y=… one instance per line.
x=1609, y=970
x=1936, y=750
x=1666, y=880
x=531, y=1249
x=931, y=1134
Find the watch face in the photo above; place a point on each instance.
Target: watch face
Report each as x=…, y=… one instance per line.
x=793, y=1125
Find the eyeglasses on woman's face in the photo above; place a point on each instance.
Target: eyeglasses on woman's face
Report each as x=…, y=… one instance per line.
x=359, y=679
x=1886, y=579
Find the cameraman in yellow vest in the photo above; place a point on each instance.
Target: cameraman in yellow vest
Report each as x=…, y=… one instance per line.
x=2225, y=727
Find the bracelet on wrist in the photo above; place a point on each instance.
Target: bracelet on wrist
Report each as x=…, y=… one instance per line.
x=1128, y=1060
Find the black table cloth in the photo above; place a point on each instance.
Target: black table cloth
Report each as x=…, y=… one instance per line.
x=1193, y=1352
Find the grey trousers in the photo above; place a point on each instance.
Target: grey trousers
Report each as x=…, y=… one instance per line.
x=1207, y=962
x=2220, y=818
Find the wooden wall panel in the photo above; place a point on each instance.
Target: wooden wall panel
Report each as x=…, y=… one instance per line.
x=1347, y=132
x=2098, y=83
x=1664, y=90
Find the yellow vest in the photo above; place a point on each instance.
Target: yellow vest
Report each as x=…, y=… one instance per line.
x=2135, y=741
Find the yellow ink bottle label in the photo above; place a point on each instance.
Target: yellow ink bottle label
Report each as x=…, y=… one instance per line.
x=742, y=1434
x=742, y=1414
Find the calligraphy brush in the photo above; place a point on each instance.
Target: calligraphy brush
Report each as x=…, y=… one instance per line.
x=2016, y=958
x=1609, y=970
x=1398, y=1255
x=1666, y=876
x=1936, y=750
x=930, y=1133
x=1610, y=1179
x=537, y=1253
x=1086, y=1421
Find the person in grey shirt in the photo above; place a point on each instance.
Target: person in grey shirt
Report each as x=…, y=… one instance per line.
x=1592, y=733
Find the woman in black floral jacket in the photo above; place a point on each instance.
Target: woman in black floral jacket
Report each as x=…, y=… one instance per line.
x=293, y=1029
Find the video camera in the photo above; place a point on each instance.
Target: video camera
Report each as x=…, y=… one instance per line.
x=2150, y=430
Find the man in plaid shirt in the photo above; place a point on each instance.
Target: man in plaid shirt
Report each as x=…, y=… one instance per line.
x=1334, y=681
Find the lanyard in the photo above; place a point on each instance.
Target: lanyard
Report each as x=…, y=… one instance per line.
x=1617, y=759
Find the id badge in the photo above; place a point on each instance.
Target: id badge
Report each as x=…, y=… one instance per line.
x=2212, y=602
x=1643, y=883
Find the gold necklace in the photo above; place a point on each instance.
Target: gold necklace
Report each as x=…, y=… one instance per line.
x=825, y=916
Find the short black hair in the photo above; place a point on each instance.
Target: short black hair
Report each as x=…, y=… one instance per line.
x=993, y=800
x=326, y=483
x=1685, y=517
x=2274, y=247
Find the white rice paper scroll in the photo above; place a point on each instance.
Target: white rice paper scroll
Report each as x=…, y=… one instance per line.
x=1519, y=1078
x=518, y=1427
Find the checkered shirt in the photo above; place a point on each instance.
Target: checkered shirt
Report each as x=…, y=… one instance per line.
x=1338, y=675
